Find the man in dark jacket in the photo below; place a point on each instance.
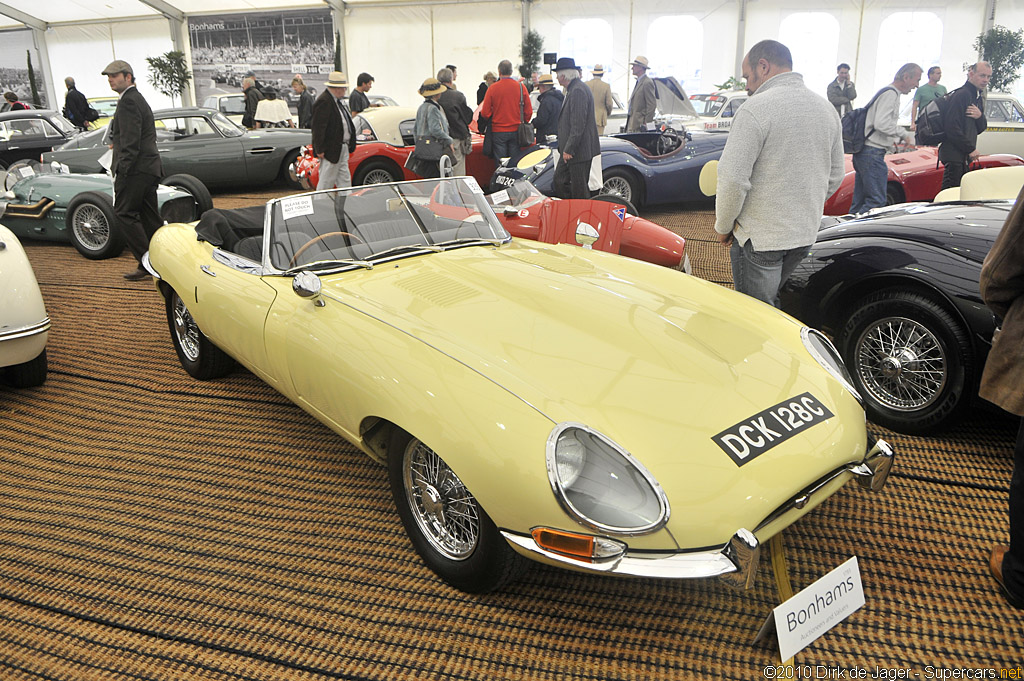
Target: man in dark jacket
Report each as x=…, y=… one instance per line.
x=334, y=136
x=252, y=100
x=135, y=164
x=76, y=107
x=578, y=143
x=305, y=104
x=549, y=104
x=962, y=121
x=459, y=116
x=1002, y=289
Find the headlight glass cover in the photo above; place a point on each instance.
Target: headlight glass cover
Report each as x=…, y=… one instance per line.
x=825, y=353
x=602, y=485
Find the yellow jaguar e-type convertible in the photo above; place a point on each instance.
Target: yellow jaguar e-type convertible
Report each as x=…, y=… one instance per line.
x=556, y=402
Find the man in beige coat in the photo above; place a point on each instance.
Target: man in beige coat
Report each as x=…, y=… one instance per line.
x=603, y=101
x=644, y=101
x=1002, y=382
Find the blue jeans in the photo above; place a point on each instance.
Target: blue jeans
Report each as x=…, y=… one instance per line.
x=760, y=274
x=869, y=182
x=504, y=144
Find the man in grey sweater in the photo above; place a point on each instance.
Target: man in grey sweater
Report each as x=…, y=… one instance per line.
x=783, y=158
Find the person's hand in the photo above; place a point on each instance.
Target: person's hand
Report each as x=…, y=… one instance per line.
x=725, y=239
x=973, y=112
x=913, y=125
x=566, y=156
x=973, y=156
x=320, y=156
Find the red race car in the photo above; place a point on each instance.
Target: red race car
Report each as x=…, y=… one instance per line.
x=384, y=138
x=914, y=175
x=598, y=223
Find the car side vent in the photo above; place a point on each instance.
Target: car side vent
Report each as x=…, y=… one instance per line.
x=438, y=289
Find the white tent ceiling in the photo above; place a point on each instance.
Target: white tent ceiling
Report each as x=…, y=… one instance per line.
x=15, y=13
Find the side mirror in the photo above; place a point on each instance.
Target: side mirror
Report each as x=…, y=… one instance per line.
x=307, y=285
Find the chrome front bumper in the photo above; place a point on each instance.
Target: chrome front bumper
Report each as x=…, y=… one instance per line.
x=737, y=560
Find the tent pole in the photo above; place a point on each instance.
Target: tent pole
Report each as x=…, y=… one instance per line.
x=741, y=37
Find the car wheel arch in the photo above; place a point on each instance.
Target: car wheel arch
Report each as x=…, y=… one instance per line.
x=371, y=163
x=638, y=174
x=841, y=301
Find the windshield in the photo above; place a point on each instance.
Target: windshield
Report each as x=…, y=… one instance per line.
x=226, y=127
x=105, y=106
x=63, y=124
x=522, y=194
x=707, y=105
x=364, y=131
x=360, y=226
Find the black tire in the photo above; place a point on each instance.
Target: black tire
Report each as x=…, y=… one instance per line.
x=621, y=183
x=198, y=356
x=611, y=198
x=478, y=560
x=376, y=172
x=92, y=227
x=28, y=374
x=911, y=361
x=284, y=176
x=894, y=194
x=194, y=186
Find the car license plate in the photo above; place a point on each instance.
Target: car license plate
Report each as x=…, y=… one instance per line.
x=752, y=437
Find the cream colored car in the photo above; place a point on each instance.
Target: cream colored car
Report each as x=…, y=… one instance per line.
x=1005, y=132
x=24, y=325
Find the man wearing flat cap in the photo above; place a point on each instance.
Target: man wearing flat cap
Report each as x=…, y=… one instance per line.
x=135, y=164
x=578, y=144
x=334, y=136
x=603, y=101
x=643, y=101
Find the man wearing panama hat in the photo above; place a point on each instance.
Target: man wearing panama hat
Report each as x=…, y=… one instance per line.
x=603, y=101
x=643, y=101
x=334, y=136
x=549, y=103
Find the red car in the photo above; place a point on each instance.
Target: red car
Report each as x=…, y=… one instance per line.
x=600, y=224
x=384, y=141
x=914, y=175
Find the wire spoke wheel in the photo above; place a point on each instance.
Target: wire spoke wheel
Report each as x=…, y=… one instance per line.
x=186, y=331
x=90, y=226
x=901, y=363
x=378, y=176
x=443, y=509
x=618, y=186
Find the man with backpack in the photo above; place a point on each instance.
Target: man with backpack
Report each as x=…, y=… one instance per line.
x=881, y=132
x=962, y=120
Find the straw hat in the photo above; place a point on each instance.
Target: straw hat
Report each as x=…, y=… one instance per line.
x=598, y=70
x=337, y=79
x=431, y=87
x=640, y=61
x=545, y=79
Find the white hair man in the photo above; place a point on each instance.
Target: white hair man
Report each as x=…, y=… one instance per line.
x=578, y=143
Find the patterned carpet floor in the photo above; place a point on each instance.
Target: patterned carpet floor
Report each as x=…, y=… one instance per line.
x=155, y=527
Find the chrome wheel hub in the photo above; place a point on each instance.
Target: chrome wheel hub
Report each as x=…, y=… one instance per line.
x=901, y=364
x=185, y=330
x=618, y=186
x=444, y=510
x=90, y=226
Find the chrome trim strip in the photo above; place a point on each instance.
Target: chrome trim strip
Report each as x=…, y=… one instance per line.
x=148, y=266
x=681, y=565
x=26, y=331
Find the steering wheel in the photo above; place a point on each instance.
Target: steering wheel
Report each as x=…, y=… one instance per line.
x=318, y=239
x=665, y=144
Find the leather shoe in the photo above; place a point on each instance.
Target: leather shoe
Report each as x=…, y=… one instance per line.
x=995, y=566
x=137, y=275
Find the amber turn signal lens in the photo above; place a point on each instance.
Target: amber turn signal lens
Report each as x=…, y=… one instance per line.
x=580, y=546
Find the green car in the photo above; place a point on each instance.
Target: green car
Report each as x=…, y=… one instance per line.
x=45, y=201
x=203, y=143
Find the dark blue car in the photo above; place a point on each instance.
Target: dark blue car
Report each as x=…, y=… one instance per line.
x=644, y=168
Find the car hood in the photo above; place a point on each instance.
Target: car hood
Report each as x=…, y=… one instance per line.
x=63, y=187
x=558, y=327
x=966, y=228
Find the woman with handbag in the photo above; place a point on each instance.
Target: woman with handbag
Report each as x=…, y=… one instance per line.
x=430, y=132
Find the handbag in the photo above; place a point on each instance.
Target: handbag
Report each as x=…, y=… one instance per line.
x=525, y=133
x=428, y=149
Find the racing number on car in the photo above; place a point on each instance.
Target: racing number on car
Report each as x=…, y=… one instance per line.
x=752, y=437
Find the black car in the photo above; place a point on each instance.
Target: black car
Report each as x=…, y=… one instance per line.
x=898, y=290
x=27, y=133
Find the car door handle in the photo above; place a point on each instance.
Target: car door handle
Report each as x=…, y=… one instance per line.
x=261, y=150
x=162, y=151
x=206, y=269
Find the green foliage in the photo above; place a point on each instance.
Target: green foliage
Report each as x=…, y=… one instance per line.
x=337, y=51
x=1004, y=50
x=169, y=73
x=733, y=83
x=32, y=79
x=532, y=52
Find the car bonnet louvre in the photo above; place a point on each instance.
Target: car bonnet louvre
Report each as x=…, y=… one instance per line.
x=437, y=288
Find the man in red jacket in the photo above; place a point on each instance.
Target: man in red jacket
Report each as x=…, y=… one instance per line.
x=506, y=104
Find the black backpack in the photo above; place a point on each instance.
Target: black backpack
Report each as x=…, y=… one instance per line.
x=931, y=129
x=91, y=114
x=853, y=124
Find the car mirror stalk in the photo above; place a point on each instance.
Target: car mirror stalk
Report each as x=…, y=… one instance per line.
x=307, y=285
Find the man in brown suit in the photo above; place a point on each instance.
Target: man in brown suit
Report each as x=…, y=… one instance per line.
x=334, y=136
x=603, y=101
x=135, y=164
x=1002, y=382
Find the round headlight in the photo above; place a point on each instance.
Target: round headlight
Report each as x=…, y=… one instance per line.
x=825, y=353
x=601, y=485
